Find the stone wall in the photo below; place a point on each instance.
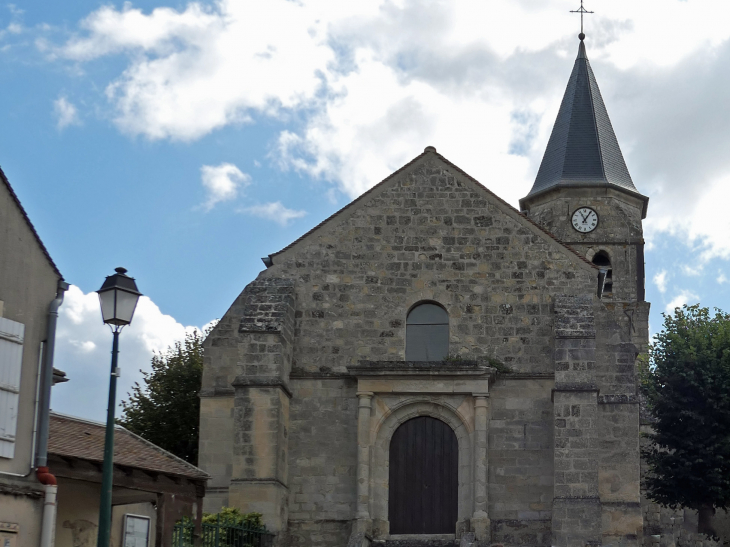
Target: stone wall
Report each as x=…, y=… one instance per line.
x=430, y=233
x=619, y=234
x=520, y=453
x=521, y=532
x=322, y=453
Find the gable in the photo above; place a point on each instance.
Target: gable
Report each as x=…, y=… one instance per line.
x=421, y=183
x=431, y=233
x=10, y=204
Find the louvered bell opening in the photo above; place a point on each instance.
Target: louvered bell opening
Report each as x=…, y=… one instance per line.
x=604, y=263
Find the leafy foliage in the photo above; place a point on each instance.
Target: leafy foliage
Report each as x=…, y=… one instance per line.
x=687, y=387
x=165, y=411
x=227, y=528
x=500, y=366
x=454, y=358
x=233, y=516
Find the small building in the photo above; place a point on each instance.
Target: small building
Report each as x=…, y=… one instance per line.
x=152, y=490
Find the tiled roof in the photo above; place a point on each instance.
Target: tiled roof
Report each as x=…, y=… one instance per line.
x=73, y=437
x=13, y=195
x=583, y=149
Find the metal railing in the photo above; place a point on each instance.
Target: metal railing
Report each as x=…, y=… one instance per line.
x=222, y=533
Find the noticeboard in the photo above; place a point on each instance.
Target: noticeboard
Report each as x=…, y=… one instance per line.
x=136, y=531
x=9, y=534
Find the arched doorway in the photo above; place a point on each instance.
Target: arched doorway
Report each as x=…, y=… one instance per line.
x=423, y=478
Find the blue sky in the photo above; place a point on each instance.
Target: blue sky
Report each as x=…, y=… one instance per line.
x=186, y=140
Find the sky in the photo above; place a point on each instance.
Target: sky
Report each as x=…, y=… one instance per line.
x=185, y=140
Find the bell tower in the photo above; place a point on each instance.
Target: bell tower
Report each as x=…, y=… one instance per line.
x=583, y=192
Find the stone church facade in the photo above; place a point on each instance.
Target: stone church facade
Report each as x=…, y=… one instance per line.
x=430, y=363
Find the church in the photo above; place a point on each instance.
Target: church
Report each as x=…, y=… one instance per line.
x=430, y=365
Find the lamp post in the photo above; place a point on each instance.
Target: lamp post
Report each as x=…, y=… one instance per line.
x=118, y=298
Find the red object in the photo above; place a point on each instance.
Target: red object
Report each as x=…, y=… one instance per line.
x=45, y=476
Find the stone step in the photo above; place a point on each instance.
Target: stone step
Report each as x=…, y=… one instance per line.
x=419, y=541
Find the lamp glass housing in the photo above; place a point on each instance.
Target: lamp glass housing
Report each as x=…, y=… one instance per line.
x=117, y=306
x=118, y=299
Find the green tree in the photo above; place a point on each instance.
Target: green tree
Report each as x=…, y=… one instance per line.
x=687, y=387
x=165, y=411
x=233, y=515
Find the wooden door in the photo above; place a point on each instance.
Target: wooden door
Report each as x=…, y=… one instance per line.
x=423, y=478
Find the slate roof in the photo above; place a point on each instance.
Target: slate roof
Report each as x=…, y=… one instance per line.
x=13, y=195
x=583, y=149
x=72, y=437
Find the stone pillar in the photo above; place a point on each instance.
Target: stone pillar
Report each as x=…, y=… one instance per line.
x=261, y=451
x=250, y=358
x=576, y=520
x=480, y=523
x=364, y=522
x=621, y=336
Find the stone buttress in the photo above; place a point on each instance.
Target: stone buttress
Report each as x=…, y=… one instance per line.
x=245, y=402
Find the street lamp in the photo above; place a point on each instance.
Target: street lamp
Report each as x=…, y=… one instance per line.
x=118, y=298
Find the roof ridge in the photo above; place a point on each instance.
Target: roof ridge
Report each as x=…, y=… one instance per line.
x=163, y=451
x=353, y=202
x=76, y=418
x=30, y=224
x=458, y=169
x=520, y=213
x=593, y=111
x=152, y=445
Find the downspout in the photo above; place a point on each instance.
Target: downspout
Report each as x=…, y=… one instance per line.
x=44, y=475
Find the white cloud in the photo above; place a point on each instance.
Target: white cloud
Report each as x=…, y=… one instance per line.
x=196, y=70
x=722, y=278
x=660, y=280
x=222, y=183
x=274, y=211
x=374, y=82
x=66, y=113
x=83, y=351
x=693, y=271
x=684, y=297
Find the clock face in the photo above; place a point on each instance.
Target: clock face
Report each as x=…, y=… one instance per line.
x=585, y=220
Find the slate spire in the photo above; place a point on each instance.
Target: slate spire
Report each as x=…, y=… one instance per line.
x=583, y=149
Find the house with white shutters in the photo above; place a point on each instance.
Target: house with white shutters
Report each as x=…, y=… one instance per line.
x=31, y=289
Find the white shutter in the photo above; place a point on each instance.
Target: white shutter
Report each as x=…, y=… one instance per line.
x=11, y=362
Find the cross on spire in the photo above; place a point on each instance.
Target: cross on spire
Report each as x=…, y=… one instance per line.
x=581, y=10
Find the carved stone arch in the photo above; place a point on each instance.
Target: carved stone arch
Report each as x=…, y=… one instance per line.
x=381, y=435
x=427, y=296
x=593, y=251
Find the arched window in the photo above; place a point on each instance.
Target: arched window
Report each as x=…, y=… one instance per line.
x=427, y=333
x=602, y=261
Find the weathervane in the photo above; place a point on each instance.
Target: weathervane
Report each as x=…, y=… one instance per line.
x=582, y=10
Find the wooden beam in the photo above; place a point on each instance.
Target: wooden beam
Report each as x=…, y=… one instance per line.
x=136, y=479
